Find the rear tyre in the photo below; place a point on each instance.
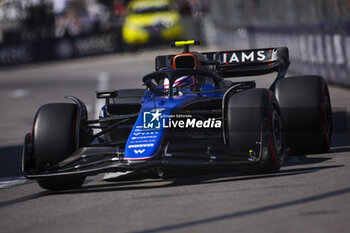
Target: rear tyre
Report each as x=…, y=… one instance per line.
x=254, y=129
x=53, y=141
x=307, y=114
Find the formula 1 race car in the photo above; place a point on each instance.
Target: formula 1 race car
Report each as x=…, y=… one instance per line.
x=190, y=115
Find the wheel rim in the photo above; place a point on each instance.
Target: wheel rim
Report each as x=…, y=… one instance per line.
x=277, y=130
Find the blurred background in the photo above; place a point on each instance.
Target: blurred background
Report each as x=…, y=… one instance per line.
x=316, y=31
x=53, y=48
x=41, y=30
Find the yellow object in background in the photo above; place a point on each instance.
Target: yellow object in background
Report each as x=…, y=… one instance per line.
x=149, y=20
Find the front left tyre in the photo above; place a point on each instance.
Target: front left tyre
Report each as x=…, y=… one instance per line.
x=53, y=139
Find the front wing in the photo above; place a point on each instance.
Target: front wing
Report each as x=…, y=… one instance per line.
x=94, y=160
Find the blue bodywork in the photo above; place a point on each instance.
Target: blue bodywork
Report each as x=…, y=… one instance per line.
x=145, y=140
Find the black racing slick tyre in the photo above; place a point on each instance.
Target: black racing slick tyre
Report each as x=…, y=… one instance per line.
x=254, y=129
x=53, y=141
x=306, y=110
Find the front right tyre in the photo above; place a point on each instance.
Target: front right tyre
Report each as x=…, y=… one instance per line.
x=254, y=129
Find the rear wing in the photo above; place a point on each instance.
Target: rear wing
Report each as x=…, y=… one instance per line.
x=240, y=62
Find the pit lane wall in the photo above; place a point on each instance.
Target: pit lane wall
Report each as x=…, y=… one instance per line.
x=317, y=33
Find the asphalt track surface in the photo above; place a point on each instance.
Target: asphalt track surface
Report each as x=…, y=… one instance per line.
x=311, y=193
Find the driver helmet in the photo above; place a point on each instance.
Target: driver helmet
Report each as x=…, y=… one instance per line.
x=183, y=85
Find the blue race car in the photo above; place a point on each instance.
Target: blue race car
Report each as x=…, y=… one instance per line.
x=190, y=115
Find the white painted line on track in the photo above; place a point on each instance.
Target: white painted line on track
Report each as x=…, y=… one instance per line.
x=102, y=84
x=89, y=108
x=19, y=93
x=6, y=182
